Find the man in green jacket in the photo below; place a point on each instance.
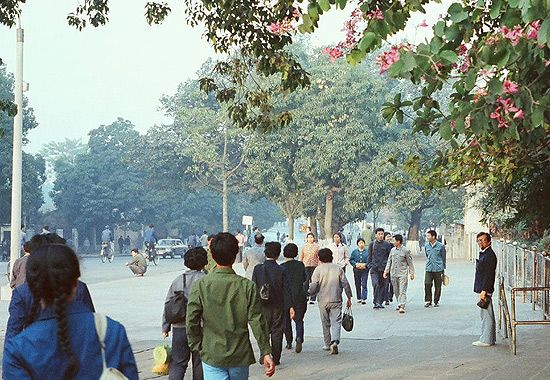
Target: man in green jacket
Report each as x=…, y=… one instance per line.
x=219, y=310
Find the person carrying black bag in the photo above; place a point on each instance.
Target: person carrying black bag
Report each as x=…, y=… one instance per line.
x=195, y=260
x=484, y=285
x=273, y=296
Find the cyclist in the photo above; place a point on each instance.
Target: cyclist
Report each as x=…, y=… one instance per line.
x=149, y=238
x=106, y=238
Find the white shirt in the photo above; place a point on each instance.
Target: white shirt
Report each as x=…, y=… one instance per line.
x=340, y=254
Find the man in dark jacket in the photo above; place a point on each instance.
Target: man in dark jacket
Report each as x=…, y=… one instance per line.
x=484, y=285
x=296, y=274
x=273, y=308
x=379, y=251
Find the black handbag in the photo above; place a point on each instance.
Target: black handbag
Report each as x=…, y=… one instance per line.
x=484, y=304
x=347, y=319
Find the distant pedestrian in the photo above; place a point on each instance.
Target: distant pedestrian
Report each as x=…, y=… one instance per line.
x=399, y=267
x=273, y=307
x=295, y=309
x=309, y=256
x=204, y=239
x=19, y=272
x=328, y=282
x=349, y=238
x=137, y=264
x=484, y=285
x=435, y=266
x=278, y=236
x=220, y=308
x=120, y=242
x=340, y=251
x=194, y=261
x=358, y=260
x=379, y=251
x=242, y=242
x=388, y=292
x=254, y=256
x=127, y=244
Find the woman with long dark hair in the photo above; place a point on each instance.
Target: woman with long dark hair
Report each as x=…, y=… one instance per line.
x=60, y=340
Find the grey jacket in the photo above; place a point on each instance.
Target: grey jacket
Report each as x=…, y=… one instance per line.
x=177, y=285
x=328, y=281
x=400, y=262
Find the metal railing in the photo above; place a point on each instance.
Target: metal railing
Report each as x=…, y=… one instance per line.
x=523, y=271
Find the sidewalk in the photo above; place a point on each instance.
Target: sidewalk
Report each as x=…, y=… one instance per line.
x=432, y=343
x=424, y=343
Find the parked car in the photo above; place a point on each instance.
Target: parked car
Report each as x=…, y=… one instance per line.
x=170, y=248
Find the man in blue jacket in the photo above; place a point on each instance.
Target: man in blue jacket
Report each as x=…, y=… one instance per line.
x=484, y=285
x=435, y=266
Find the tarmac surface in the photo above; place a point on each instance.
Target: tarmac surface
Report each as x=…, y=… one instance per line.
x=432, y=343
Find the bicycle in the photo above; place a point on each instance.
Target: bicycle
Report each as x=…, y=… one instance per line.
x=151, y=253
x=107, y=252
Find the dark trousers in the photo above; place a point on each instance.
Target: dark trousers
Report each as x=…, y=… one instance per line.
x=274, y=316
x=379, y=284
x=299, y=312
x=361, y=277
x=239, y=258
x=435, y=278
x=388, y=294
x=309, y=272
x=181, y=355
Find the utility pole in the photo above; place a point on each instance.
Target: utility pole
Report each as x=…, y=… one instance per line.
x=16, y=181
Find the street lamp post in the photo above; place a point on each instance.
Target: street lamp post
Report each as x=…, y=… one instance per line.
x=16, y=182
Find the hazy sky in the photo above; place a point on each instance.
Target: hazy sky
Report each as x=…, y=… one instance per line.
x=80, y=80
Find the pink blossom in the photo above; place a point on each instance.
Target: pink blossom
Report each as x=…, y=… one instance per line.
x=491, y=40
x=510, y=87
x=465, y=66
x=296, y=13
x=333, y=53
x=534, y=28
x=473, y=143
x=547, y=63
x=519, y=115
x=377, y=14
x=514, y=35
x=453, y=124
x=423, y=24
x=281, y=27
x=462, y=49
x=386, y=59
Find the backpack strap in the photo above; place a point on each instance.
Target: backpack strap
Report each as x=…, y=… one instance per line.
x=101, y=330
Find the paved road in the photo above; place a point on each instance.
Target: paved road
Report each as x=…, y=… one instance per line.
x=421, y=344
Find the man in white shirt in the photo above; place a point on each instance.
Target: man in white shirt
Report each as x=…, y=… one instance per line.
x=340, y=252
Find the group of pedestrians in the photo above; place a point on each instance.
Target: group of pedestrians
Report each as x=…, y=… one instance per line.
x=51, y=304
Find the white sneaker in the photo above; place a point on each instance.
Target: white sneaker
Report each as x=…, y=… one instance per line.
x=359, y=301
x=477, y=343
x=326, y=348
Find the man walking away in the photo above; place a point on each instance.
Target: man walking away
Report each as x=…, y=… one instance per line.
x=204, y=239
x=328, y=282
x=137, y=265
x=484, y=285
x=296, y=308
x=435, y=267
x=120, y=242
x=379, y=251
x=194, y=261
x=274, y=276
x=254, y=256
x=399, y=266
x=219, y=310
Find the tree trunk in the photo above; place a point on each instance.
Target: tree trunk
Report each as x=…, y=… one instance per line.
x=290, y=227
x=225, y=215
x=329, y=204
x=319, y=218
x=313, y=225
x=414, y=226
x=93, y=243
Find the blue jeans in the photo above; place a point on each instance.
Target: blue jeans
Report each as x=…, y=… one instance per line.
x=224, y=373
x=361, y=276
